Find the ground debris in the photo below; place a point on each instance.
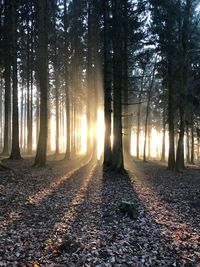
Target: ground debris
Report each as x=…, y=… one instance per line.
x=67, y=215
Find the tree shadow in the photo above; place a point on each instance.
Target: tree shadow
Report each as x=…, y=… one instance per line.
x=106, y=237
x=23, y=185
x=24, y=235
x=79, y=224
x=167, y=196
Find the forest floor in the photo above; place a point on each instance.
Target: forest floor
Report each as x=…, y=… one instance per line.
x=67, y=215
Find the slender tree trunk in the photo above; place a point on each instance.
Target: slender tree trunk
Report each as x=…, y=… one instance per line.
x=198, y=142
x=147, y=112
x=163, y=133
x=57, y=113
x=49, y=147
x=92, y=72
x=192, y=140
x=184, y=46
x=89, y=78
x=188, y=145
x=37, y=117
x=67, y=99
x=1, y=112
x=29, y=126
x=56, y=77
x=149, y=127
x=171, y=155
x=40, y=159
x=138, y=118
x=7, y=79
x=25, y=119
x=107, y=87
x=15, y=151
x=31, y=99
x=117, y=159
x=22, y=116
x=125, y=87
x=180, y=149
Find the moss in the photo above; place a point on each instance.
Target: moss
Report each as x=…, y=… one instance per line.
x=129, y=209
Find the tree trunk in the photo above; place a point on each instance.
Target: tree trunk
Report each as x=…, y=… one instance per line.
x=163, y=133
x=180, y=149
x=56, y=77
x=1, y=113
x=67, y=97
x=117, y=160
x=29, y=126
x=90, y=76
x=138, y=118
x=171, y=154
x=147, y=112
x=184, y=46
x=7, y=78
x=107, y=87
x=125, y=87
x=192, y=140
x=22, y=115
x=149, y=127
x=15, y=151
x=188, y=145
x=40, y=159
x=37, y=116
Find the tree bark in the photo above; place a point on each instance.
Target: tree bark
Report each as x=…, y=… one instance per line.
x=40, y=159
x=171, y=154
x=7, y=79
x=15, y=150
x=125, y=87
x=163, y=133
x=192, y=139
x=138, y=118
x=107, y=87
x=184, y=46
x=56, y=77
x=29, y=111
x=187, y=145
x=117, y=160
x=147, y=112
x=67, y=93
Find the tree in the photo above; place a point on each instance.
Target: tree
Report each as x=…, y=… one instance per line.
x=117, y=156
x=184, y=46
x=107, y=86
x=40, y=159
x=66, y=75
x=15, y=151
x=7, y=76
x=148, y=110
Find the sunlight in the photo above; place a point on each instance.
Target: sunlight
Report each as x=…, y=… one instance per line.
x=155, y=144
x=53, y=133
x=83, y=134
x=78, y=198
x=100, y=133
x=171, y=222
x=133, y=144
x=40, y=195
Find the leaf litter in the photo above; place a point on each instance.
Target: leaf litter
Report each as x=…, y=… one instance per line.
x=68, y=215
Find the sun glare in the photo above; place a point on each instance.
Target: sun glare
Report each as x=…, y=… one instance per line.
x=153, y=148
x=155, y=145
x=84, y=134
x=100, y=129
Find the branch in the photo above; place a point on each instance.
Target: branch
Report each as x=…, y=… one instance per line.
x=136, y=103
